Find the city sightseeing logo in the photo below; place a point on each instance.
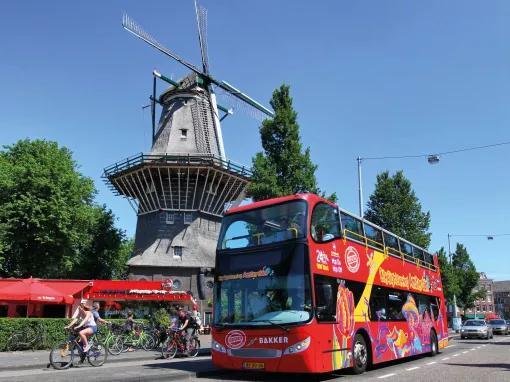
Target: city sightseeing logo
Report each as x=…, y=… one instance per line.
x=352, y=259
x=235, y=339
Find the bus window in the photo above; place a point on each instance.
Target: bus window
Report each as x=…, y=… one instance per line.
x=353, y=227
x=394, y=303
x=374, y=236
x=418, y=254
x=391, y=241
x=325, y=224
x=406, y=248
x=428, y=258
x=378, y=304
x=326, y=289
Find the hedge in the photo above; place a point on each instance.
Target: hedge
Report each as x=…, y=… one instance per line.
x=53, y=328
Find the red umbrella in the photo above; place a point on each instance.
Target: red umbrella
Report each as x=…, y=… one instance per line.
x=33, y=290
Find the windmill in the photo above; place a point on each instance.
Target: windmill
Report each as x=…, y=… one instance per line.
x=180, y=189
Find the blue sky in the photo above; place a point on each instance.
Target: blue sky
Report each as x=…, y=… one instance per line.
x=369, y=78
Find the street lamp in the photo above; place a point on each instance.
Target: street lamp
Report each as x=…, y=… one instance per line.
x=432, y=159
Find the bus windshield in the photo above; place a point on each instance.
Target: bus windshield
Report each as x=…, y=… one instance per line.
x=261, y=226
x=263, y=287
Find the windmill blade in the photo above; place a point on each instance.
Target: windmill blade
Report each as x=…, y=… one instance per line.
x=202, y=34
x=131, y=26
x=233, y=104
x=236, y=93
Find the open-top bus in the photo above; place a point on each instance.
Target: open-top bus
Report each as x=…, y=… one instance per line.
x=304, y=286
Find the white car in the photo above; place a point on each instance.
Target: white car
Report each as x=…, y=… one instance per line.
x=476, y=329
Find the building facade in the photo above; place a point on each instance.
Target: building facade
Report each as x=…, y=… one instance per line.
x=485, y=305
x=502, y=298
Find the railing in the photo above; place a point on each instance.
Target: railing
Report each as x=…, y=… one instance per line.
x=179, y=159
x=387, y=250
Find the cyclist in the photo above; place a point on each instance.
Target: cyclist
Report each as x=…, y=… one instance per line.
x=129, y=326
x=95, y=313
x=187, y=326
x=87, y=323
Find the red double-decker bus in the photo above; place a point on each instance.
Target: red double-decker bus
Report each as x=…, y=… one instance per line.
x=304, y=286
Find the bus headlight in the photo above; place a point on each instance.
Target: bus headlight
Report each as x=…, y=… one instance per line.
x=298, y=347
x=218, y=347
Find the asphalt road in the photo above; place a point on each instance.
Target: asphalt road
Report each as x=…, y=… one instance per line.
x=466, y=360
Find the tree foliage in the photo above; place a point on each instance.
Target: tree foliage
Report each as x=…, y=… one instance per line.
x=283, y=168
x=393, y=205
x=50, y=226
x=467, y=278
x=448, y=276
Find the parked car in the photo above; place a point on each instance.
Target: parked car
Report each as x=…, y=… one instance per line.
x=498, y=326
x=476, y=329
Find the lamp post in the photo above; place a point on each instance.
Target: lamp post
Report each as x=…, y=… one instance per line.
x=431, y=159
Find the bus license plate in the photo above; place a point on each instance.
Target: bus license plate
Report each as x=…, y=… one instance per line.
x=254, y=365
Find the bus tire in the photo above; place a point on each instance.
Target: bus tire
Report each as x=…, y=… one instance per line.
x=360, y=354
x=433, y=343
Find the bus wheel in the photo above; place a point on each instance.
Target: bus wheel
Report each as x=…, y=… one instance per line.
x=433, y=343
x=360, y=354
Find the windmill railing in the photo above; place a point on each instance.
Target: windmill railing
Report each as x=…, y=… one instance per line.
x=185, y=159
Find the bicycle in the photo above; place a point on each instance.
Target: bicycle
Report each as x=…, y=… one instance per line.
x=62, y=356
x=138, y=338
x=29, y=338
x=176, y=343
x=112, y=338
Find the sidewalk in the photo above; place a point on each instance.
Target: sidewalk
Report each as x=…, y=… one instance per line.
x=24, y=360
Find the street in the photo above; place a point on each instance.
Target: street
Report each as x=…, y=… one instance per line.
x=473, y=360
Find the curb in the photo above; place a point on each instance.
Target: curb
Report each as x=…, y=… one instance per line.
x=111, y=359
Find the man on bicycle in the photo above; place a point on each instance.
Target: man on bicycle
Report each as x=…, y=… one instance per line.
x=187, y=326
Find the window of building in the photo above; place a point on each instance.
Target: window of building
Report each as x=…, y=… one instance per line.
x=325, y=224
x=188, y=217
x=184, y=133
x=170, y=218
x=178, y=252
x=353, y=227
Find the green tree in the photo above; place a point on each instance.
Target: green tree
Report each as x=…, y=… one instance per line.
x=448, y=276
x=283, y=168
x=467, y=278
x=393, y=205
x=50, y=226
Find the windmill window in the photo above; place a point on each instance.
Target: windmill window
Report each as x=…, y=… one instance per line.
x=188, y=217
x=178, y=253
x=170, y=218
x=177, y=284
x=184, y=133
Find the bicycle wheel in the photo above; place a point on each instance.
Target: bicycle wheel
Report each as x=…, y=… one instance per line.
x=116, y=345
x=169, y=350
x=61, y=356
x=97, y=354
x=193, y=346
x=13, y=343
x=147, y=342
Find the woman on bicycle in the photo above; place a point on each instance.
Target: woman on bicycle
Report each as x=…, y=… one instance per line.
x=88, y=323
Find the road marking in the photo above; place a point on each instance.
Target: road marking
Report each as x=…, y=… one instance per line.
x=430, y=363
x=445, y=359
x=413, y=368
x=471, y=349
x=450, y=346
x=456, y=355
x=484, y=345
x=386, y=376
x=464, y=352
x=478, y=347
